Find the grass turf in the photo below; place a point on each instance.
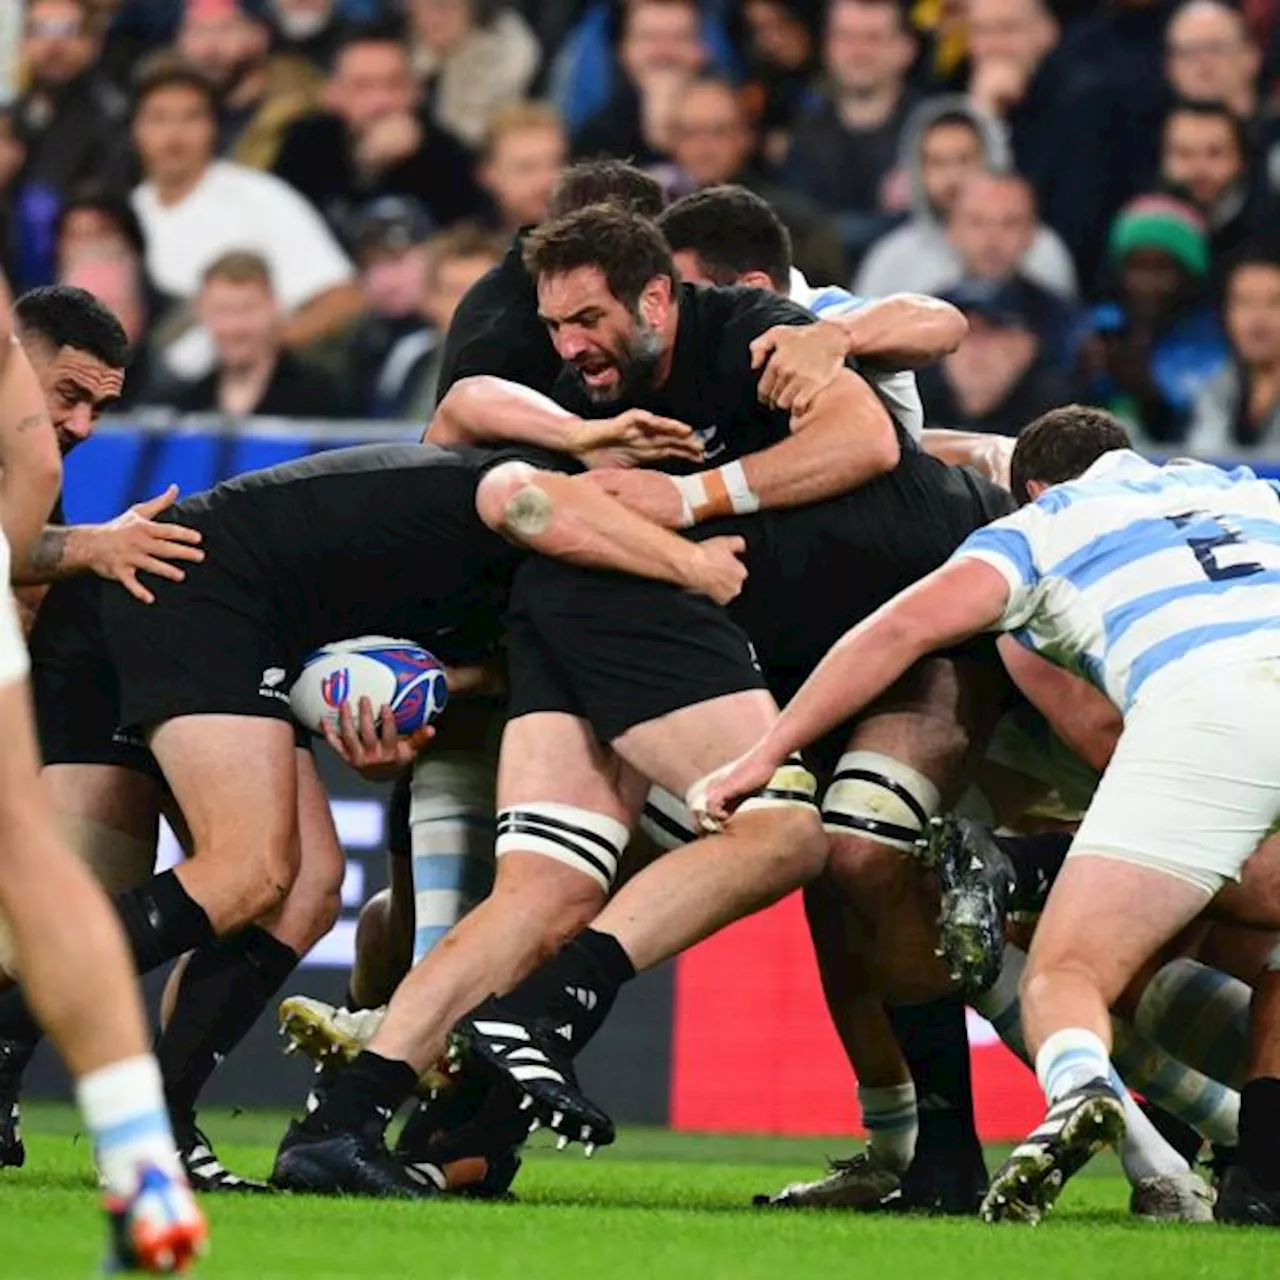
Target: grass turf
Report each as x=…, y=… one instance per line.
x=656, y=1205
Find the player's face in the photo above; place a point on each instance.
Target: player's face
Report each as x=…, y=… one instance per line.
x=1253, y=313
x=77, y=387
x=612, y=348
x=174, y=134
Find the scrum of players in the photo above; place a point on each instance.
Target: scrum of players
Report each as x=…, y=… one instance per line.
x=1019, y=763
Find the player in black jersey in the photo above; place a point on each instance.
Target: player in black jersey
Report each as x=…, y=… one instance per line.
x=591, y=659
x=901, y=763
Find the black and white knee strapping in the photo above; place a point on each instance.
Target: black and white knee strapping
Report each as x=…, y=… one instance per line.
x=588, y=842
x=880, y=799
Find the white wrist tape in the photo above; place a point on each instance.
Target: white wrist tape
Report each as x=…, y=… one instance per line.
x=722, y=492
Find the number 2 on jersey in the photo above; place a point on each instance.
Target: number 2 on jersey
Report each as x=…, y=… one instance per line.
x=1204, y=548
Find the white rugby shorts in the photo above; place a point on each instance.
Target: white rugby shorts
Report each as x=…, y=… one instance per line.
x=1194, y=785
x=14, y=663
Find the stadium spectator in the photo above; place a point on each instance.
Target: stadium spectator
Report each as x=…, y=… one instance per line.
x=524, y=153
x=1152, y=349
x=12, y=155
x=585, y=73
x=311, y=29
x=390, y=248
x=782, y=64
x=660, y=50
x=113, y=273
x=998, y=380
x=254, y=374
x=1205, y=158
x=375, y=140
x=1238, y=409
x=194, y=208
x=713, y=143
x=1211, y=56
x=474, y=57
x=94, y=217
x=455, y=260
x=70, y=119
x=992, y=226
x=845, y=144
x=945, y=143
x=1064, y=120
x=261, y=93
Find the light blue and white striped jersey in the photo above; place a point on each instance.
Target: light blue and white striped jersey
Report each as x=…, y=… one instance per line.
x=897, y=389
x=1135, y=576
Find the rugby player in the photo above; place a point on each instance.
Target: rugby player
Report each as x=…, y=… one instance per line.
x=580, y=674
x=67, y=946
x=1193, y=665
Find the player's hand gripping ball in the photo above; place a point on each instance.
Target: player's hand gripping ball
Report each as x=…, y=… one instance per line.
x=390, y=673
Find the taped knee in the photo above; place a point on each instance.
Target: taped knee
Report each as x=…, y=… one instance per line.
x=880, y=799
x=588, y=842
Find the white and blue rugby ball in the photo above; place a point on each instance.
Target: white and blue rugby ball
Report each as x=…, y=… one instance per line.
x=390, y=673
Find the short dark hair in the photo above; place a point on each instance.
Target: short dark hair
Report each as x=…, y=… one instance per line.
x=169, y=70
x=607, y=182
x=1211, y=111
x=629, y=250
x=239, y=266
x=899, y=10
x=386, y=31
x=953, y=120
x=732, y=231
x=1063, y=444
x=101, y=199
x=1256, y=253
x=62, y=316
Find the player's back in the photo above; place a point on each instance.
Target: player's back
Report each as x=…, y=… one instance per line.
x=1142, y=571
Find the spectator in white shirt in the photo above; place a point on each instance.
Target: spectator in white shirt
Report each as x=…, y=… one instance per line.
x=194, y=208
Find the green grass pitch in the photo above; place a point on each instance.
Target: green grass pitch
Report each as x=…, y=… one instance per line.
x=656, y=1205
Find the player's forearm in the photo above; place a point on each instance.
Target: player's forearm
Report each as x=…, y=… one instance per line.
x=29, y=454
x=903, y=331
x=484, y=410
x=322, y=316
x=58, y=551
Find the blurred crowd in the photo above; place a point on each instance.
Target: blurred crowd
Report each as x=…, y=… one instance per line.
x=284, y=200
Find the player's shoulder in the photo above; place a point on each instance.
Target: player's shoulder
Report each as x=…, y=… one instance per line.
x=739, y=307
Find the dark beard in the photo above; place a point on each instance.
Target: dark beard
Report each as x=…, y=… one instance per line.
x=636, y=370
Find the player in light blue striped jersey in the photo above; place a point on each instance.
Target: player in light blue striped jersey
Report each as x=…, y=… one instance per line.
x=1161, y=586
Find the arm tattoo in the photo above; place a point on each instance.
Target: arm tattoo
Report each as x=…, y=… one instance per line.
x=45, y=561
x=34, y=420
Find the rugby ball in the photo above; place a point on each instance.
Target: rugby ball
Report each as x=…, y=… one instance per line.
x=390, y=673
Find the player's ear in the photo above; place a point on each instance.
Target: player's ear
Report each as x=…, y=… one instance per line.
x=756, y=280
x=1035, y=488
x=656, y=301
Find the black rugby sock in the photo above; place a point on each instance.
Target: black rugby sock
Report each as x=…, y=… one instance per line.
x=1036, y=860
x=224, y=988
x=576, y=987
x=936, y=1045
x=365, y=1096
x=161, y=921
x=1259, y=1149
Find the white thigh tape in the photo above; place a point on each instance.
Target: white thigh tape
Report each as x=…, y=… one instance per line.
x=588, y=842
x=666, y=820
x=880, y=799
x=791, y=787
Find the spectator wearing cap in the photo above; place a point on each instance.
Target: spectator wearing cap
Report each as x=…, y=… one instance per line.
x=194, y=208
x=261, y=94
x=390, y=246
x=845, y=144
x=948, y=142
x=254, y=375
x=1205, y=157
x=660, y=50
x=375, y=140
x=1238, y=410
x=1149, y=352
x=410, y=377
x=997, y=380
x=524, y=154
x=474, y=57
x=713, y=144
x=1064, y=120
